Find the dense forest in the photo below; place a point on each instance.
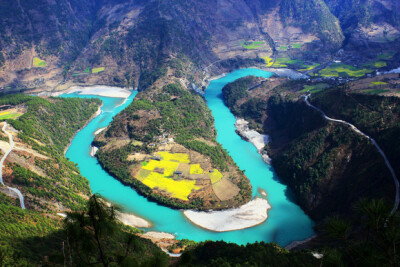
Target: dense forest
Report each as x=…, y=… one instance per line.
x=91, y=236
x=323, y=162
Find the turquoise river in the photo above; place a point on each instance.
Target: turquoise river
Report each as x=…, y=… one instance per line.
x=286, y=221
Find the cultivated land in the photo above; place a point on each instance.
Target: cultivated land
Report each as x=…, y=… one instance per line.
x=39, y=63
x=167, y=150
x=174, y=172
x=12, y=113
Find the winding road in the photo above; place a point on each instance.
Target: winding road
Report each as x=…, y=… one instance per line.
x=15, y=190
x=354, y=128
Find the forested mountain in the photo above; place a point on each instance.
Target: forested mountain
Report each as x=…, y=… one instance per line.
x=327, y=165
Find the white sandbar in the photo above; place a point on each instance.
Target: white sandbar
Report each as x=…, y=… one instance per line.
x=246, y=216
x=99, y=131
x=100, y=90
x=257, y=139
x=132, y=220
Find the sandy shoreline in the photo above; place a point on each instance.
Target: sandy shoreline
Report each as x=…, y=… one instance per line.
x=93, y=150
x=251, y=214
x=157, y=235
x=133, y=220
x=292, y=74
x=257, y=139
x=99, y=130
x=100, y=90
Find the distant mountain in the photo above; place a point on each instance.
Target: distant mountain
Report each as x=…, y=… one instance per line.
x=51, y=45
x=370, y=20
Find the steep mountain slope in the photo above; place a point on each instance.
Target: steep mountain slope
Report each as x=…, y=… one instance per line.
x=53, y=45
x=37, y=165
x=327, y=165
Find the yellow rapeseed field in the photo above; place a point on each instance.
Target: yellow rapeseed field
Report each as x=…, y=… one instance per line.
x=195, y=169
x=97, y=70
x=40, y=63
x=215, y=176
x=168, y=166
x=178, y=189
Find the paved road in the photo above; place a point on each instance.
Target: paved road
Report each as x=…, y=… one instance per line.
x=354, y=128
x=15, y=190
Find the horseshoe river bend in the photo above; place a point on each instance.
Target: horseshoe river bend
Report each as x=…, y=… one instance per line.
x=286, y=221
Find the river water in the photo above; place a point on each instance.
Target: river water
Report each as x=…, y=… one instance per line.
x=286, y=221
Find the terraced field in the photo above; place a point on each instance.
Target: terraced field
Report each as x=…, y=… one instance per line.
x=252, y=45
x=279, y=62
x=39, y=63
x=173, y=174
x=338, y=69
x=215, y=176
x=6, y=115
x=97, y=70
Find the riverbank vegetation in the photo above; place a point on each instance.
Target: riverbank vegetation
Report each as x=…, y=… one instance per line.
x=46, y=178
x=91, y=235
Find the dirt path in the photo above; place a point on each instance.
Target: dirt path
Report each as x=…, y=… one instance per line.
x=355, y=129
x=15, y=190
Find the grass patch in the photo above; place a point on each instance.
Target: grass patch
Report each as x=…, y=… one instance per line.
x=9, y=115
x=283, y=47
x=386, y=56
x=87, y=70
x=309, y=67
x=178, y=189
x=378, y=83
x=142, y=174
x=314, y=88
x=39, y=63
x=282, y=62
x=215, y=176
x=97, y=70
x=252, y=45
x=338, y=69
x=380, y=64
x=195, y=169
x=375, y=64
x=298, y=46
x=144, y=163
x=376, y=91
